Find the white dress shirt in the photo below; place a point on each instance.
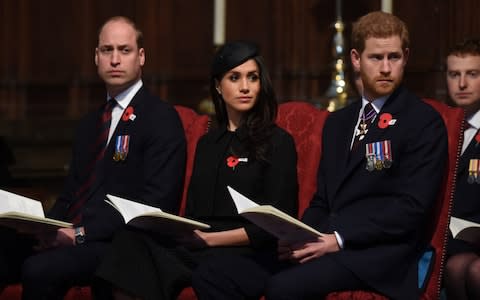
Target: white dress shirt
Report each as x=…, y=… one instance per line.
x=123, y=100
x=474, y=121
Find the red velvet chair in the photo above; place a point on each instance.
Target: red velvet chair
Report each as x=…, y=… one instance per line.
x=195, y=126
x=453, y=118
x=305, y=123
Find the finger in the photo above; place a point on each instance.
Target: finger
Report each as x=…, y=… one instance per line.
x=306, y=258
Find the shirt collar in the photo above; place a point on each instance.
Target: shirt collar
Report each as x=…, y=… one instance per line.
x=474, y=120
x=125, y=97
x=377, y=103
x=240, y=133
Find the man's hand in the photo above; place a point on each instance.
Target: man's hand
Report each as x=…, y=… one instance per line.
x=61, y=237
x=303, y=252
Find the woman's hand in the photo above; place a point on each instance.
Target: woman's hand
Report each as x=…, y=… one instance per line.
x=201, y=239
x=198, y=239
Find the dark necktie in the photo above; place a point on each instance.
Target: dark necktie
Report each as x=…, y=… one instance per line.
x=98, y=151
x=366, y=119
x=466, y=126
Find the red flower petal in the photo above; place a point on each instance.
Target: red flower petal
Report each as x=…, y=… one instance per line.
x=384, y=121
x=127, y=113
x=477, y=137
x=232, y=161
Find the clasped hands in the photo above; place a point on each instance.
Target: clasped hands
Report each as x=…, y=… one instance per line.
x=301, y=252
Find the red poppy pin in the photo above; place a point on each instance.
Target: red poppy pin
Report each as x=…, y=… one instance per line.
x=477, y=137
x=128, y=114
x=232, y=161
x=386, y=120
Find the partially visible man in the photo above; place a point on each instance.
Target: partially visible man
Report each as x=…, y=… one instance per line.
x=133, y=147
x=462, y=276
x=378, y=180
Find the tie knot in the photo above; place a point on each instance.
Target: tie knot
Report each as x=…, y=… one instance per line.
x=107, y=110
x=467, y=125
x=110, y=104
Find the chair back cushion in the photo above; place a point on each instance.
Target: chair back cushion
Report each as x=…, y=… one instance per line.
x=305, y=123
x=195, y=126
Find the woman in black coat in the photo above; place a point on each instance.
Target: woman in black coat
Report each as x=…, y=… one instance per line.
x=247, y=152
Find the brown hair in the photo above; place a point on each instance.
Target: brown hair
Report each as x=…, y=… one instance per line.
x=129, y=22
x=470, y=46
x=378, y=24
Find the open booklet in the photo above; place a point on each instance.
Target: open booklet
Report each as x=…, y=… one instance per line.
x=465, y=230
x=26, y=215
x=152, y=218
x=273, y=220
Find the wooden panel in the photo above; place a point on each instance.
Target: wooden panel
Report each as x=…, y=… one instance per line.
x=47, y=72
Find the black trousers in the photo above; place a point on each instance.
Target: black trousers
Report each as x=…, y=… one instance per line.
x=243, y=278
x=152, y=267
x=50, y=273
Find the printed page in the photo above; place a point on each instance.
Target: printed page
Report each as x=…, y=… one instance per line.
x=273, y=220
x=241, y=202
x=457, y=225
x=10, y=202
x=130, y=209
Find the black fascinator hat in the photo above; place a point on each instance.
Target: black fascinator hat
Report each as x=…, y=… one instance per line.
x=231, y=55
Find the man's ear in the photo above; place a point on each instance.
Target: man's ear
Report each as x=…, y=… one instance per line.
x=355, y=58
x=406, y=53
x=96, y=56
x=141, y=54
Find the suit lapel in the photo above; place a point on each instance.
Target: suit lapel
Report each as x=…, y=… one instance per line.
x=393, y=105
x=472, y=151
x=342, y=142
x=123, y=128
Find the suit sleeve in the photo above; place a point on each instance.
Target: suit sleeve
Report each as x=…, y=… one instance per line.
x=281, y=186
x=164, y=161
x=72, y=182
x=156, y=179
x=394, y=212
x=316, y=214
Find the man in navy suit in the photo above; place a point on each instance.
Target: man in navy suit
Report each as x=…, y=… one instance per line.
x=379, y=176
x=141, y=156
x=462, y=276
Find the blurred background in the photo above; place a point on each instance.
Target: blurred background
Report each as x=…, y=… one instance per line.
x=48, y=78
